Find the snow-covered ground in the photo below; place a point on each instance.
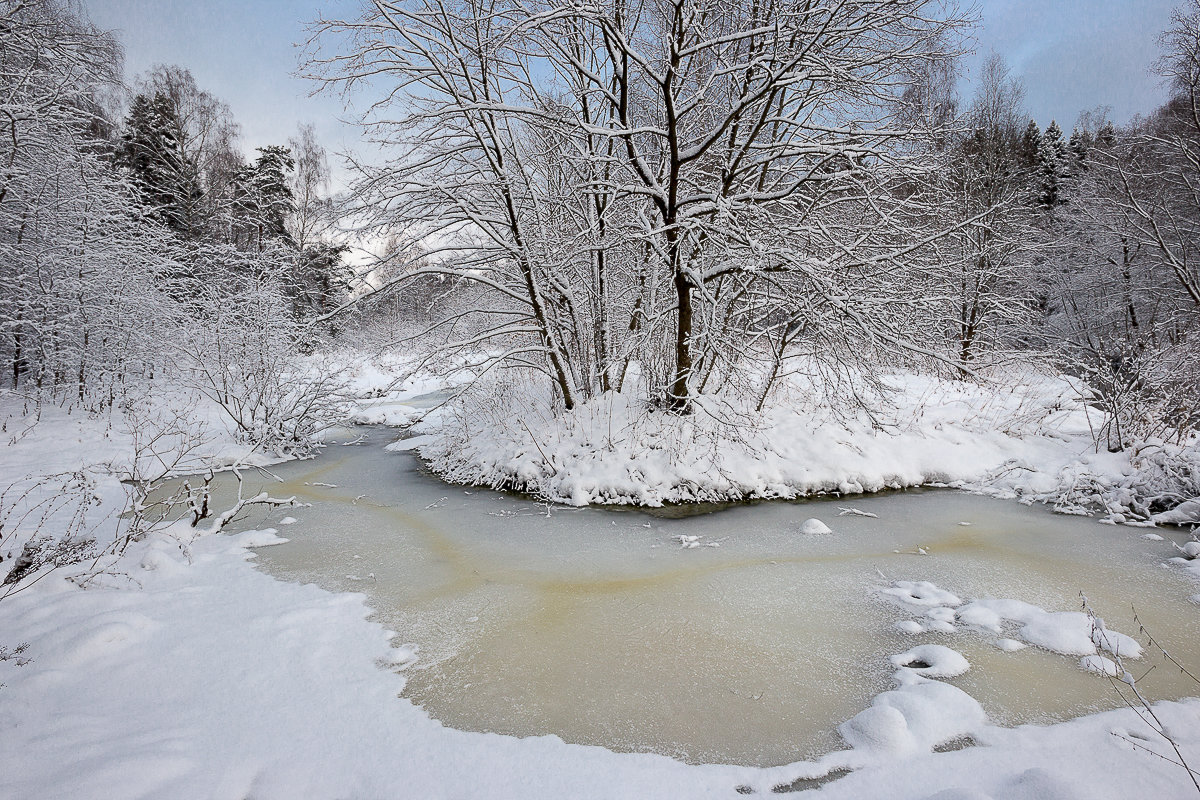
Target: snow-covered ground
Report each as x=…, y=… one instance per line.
x=175, y=669
x=1026, y=435
x=186, y=673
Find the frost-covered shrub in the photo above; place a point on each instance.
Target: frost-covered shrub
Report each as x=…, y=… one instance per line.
x=44, y=525
x=241, y=351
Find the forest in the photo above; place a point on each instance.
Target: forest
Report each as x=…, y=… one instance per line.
x=582, y=202
x=651, y=253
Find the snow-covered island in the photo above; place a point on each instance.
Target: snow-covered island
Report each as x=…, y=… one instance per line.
x=680, y=400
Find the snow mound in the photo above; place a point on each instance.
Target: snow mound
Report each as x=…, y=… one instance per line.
x=920, y=593
x=1010, y=645
x=932, y=661
x=410, y=443
x=1100, y=665
x=615, y=448
x=915, y=717
x=264, y=538
x=1189, y=550
x=393, y=415
x=941, y=619
x=1069, y=633
x=856, y=512
x=814, y=526
x=1186, y=513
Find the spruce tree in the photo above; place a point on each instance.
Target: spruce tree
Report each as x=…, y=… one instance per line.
x=1031, y=142
x=1050, y=170
x=264, y=199
x=152, y=153
x=271, y=172
x=1054, y=136
x=1081, y=142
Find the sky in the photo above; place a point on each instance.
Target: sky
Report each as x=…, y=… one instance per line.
x=1075, y=55
x=245, y=52
x=1071, y=55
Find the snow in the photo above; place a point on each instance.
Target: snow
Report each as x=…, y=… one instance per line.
x=941, y=619
x=262, y=538
x=920, y=593
x=915, y=717
x=178, y=670
x=1023, y=434
x=1186, y=513
x=1030, y=440
x=939, y=661
x=1189, y=549
x=1100, y=665
x=411, y=443
x=1010, y=645
x=814, y=526
x=1066, y=632
x=1071, y=633
x=856, y=512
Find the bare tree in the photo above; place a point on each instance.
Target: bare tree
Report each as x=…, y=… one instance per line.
x=76, y=263
x=989, y=190
x=647, y=181
x=1136, y=325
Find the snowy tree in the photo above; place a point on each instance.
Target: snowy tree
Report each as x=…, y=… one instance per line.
x=152, y=152
x=1031, y=143
x=263, y=197
x=76, y=263
x=672, y=184
x=988, y=190
x=1081, y=142
x=1131, y=294
x=308, y=183
x=321, y=278
x=206, y=134
x=1051, y=166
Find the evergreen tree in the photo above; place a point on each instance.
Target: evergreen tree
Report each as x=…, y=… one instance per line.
x=276, y=202
x=1031, y=142
x=321, y=277
x=1054, y=136
x=1081, y=142
x=151, y=151
x=1051, y=167
x=264, y=199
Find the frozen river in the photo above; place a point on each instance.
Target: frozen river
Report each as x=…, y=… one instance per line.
x=748, y=647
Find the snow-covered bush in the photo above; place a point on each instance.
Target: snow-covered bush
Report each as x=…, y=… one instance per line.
x=45, y=523
x=241, y=351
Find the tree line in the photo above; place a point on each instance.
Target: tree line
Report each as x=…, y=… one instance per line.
x=709, y=197
x=135, y=237
x=696, y=200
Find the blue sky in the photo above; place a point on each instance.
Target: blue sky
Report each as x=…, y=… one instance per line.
x=1071, y=55
x=245, y=52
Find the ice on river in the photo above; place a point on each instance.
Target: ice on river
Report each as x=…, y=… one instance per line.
x=533, y=619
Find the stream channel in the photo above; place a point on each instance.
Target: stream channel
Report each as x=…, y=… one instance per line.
x=598, y=626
